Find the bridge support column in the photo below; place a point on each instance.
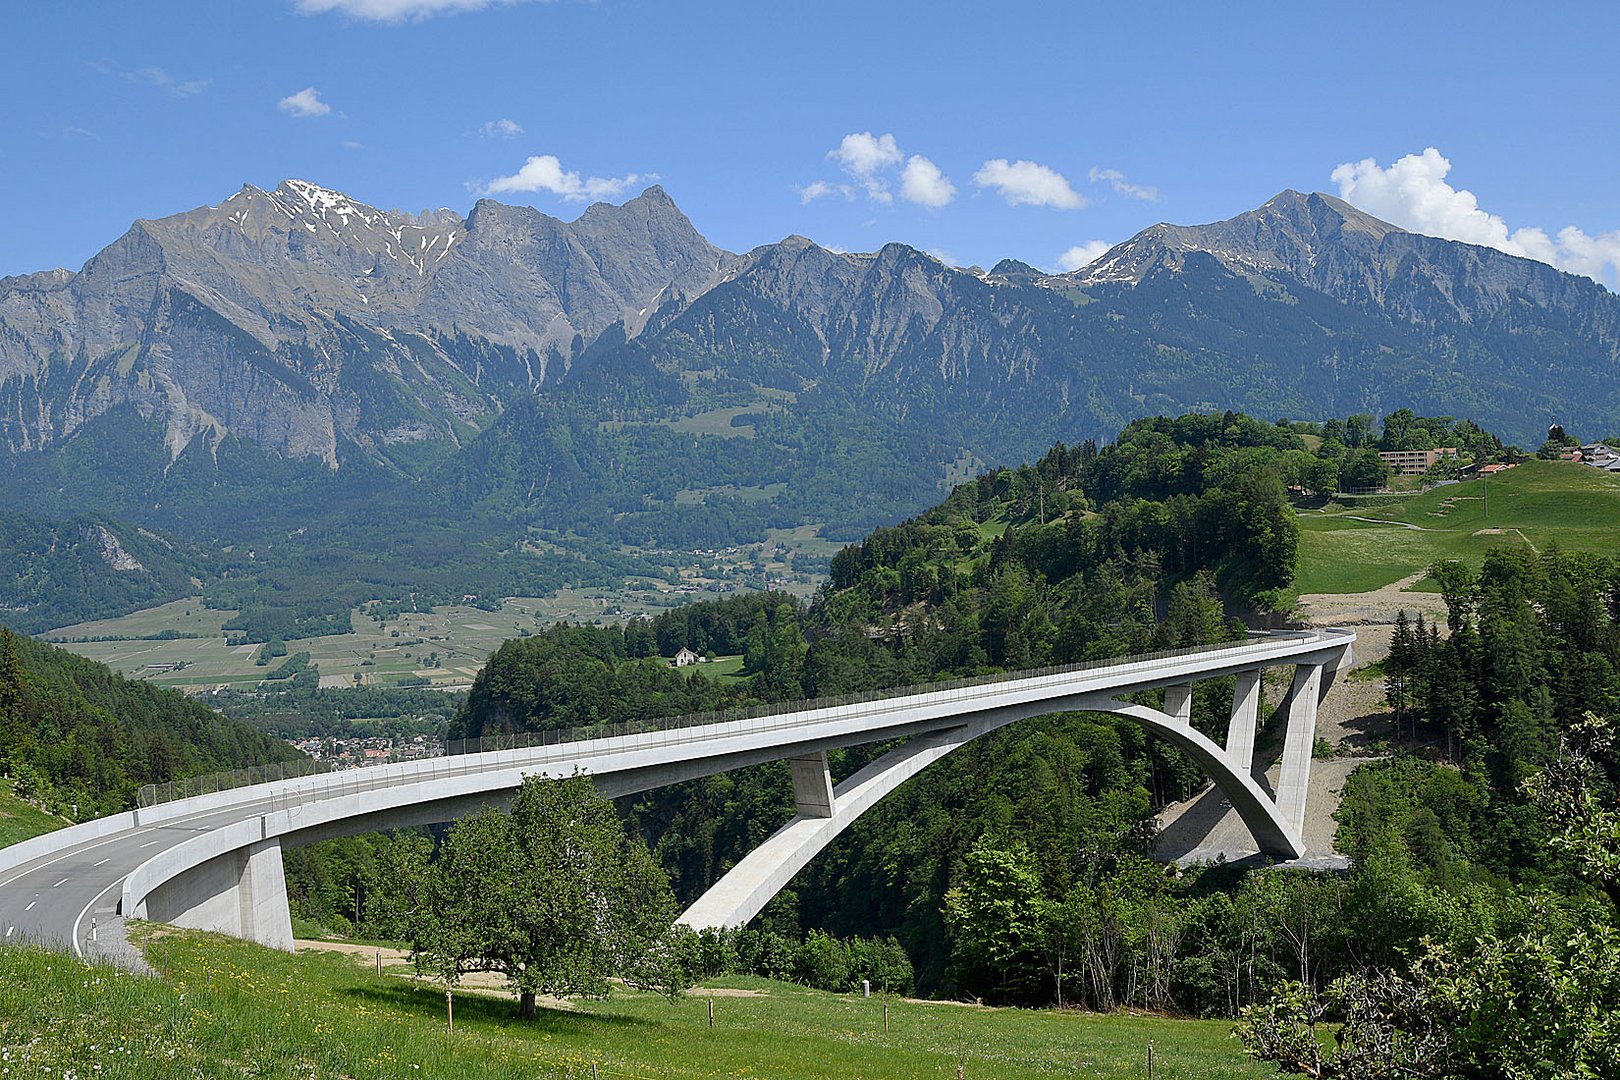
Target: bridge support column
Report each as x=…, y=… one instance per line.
x=812, y=785
x=242, y=893
x=1245, y=713
x=1178, y=703
x=1294, y=783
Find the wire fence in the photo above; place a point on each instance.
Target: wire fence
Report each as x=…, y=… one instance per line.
x=155, y=794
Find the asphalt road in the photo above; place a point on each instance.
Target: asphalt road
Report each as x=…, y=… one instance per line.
x=52, y=900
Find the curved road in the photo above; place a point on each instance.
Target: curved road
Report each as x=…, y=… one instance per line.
x=54, y=889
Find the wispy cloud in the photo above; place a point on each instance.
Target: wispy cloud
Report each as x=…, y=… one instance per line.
x=152, y=75
x=501, y=129
x=1414, y=194
x=544, y=172
x=306, y=103
x=821, y=189
x=1025, y=183
x=1121, y=185
x=394, y=11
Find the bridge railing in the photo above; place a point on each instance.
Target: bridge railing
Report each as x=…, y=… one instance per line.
x=155, y=794
x=209, y=783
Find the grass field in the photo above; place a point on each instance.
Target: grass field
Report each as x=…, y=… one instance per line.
x=225, y=1008
x=20, y=821
x=723, y=668
x=1539, y=504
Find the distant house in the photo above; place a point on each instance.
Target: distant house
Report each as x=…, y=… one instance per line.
x=686, y=657
x=1492, y=470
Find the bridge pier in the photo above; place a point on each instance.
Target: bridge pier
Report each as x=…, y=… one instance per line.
x=1178, y=702
x=1245, y=715
x=242, y=893
x=812, y=785
x=1294, y=783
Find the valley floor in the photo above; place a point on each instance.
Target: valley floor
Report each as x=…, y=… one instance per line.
x=221, y=1007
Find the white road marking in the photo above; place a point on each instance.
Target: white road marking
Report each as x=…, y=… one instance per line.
x=30, y=906
x=103, y=862
x=75, y=934
x=149, y=843
x=9, y=930
x=59, y=884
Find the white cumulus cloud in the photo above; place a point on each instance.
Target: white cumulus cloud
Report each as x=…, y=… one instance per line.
x=307, y=102
x=1081, y=254
x=544, y=172
x=1122, y=185
x=501, y=129
x=921, y=182
x=863, y=153
x=393, y=10
x=873, y=163
x=867, y=158
x=1414, y=194
x=1025, y=183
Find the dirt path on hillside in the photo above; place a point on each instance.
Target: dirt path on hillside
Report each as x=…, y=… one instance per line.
x=1353, y=715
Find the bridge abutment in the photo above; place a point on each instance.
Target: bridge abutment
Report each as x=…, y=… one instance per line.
x=242, y=893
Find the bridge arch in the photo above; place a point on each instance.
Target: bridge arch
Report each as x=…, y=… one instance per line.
x=1275, y=823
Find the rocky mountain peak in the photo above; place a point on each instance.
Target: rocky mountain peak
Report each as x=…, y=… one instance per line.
x=1291, y=232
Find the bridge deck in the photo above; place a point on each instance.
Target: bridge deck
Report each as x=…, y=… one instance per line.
x=51, y=887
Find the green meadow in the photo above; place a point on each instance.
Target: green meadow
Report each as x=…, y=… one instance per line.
x=222, y=1008
x=1540, y=504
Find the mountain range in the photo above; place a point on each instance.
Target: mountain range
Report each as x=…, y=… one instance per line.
x=293, y=356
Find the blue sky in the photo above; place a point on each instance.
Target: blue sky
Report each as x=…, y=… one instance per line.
x=1035, y=131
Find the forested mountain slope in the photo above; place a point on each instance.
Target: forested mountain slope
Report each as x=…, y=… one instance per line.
x=73, y=733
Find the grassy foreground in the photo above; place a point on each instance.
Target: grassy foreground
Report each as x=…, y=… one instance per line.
x=1540, y=504
x=225, y=1008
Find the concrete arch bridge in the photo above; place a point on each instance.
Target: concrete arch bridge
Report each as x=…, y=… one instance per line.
x=213, y=861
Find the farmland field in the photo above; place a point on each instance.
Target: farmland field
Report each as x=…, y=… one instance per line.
x=446, y=646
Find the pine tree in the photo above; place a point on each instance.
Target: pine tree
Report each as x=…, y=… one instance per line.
x=1398, y=667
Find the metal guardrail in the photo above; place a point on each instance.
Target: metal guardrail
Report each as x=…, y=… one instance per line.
x=353, y=780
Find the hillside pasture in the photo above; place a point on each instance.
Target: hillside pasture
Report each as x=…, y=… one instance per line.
x=225, y=1008
x=1540, y=504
